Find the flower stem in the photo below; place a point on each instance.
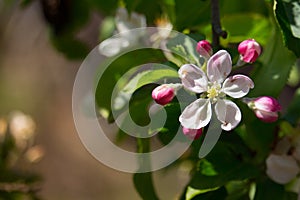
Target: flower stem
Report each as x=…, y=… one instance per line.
x=216, y=24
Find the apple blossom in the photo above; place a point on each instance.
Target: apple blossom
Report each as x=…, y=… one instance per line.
x=204, y=49
x=214, y=88
x=282, y=168
x=163, y=32
x=266, y=108
x=163, y=94
x=283, y=164
x=249, y=50
x=124, y=23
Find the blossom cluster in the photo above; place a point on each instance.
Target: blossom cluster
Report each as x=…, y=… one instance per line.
x=283, y=164
x=216, y=89
x=126, y=22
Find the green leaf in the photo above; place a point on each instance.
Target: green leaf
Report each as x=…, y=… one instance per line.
x=143, y=181
x=293, y=111
x=117, y=69
x=191, y=13
x=277, y=61
x=238, y=190
x=236, y=7
x=191, y=192
x=227, y=165
x=294, y=77
x=107, y=28
x=287, y=13
x=268, y=189
x=183, y=50
x=153, y=74
x=139, y=106
x=144, y=186
x=207, y=168
x=167, y=133
x=250, y=25
x=220, y=193
x=258, y=135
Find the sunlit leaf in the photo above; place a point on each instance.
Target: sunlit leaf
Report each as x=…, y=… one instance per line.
x=191, y=192
x=250, y=25
x=118, y=68
x=107, y=28
x=277, y=61
x=287, y=13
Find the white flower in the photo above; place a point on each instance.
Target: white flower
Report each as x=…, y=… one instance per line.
x=214, y=87
x=283, y=163
x=282, y=168
x=124, y=23
x=163, y=32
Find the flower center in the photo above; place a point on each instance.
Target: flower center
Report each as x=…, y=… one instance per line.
x=213, y=91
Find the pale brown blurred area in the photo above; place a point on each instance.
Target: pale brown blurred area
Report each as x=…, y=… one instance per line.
x=37, y=79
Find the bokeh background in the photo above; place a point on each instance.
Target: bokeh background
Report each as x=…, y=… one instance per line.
x=37, y=79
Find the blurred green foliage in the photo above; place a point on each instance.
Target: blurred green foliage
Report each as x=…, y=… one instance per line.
x=235, y=169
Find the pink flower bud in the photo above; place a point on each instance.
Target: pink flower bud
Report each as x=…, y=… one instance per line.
x=249, y=50
x=163, y=94
x=192, y=133
x=204, y=49
x=265, y=108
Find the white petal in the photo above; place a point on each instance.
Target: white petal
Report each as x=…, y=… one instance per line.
x=193, y=78
x=196, y=115
x=228, y=113
x=126, y=22
x=219, y=66
x=282, y=168
x=237, y=86
x=112, y=46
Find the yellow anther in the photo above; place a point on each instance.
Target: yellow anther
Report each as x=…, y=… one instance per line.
x=213, y=92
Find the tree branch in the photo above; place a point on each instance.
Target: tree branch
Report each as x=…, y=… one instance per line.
x=216, y=24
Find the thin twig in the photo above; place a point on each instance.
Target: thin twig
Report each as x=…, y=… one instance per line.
x=216, y=24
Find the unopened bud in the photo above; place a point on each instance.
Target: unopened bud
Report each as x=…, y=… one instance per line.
x=266, y=108
x=163, y=94
x=249, y=50
x=204, y=49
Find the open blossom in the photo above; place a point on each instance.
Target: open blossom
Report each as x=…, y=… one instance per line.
x=282, y=168
x=283, y=164
x=204, y=49
x=214, y=87
x=266, y=108
x=164, y=29
x=249, y=50
x=124, y=23
x=192, y=133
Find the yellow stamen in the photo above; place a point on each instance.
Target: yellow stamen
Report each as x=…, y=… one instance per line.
x=213, y=92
